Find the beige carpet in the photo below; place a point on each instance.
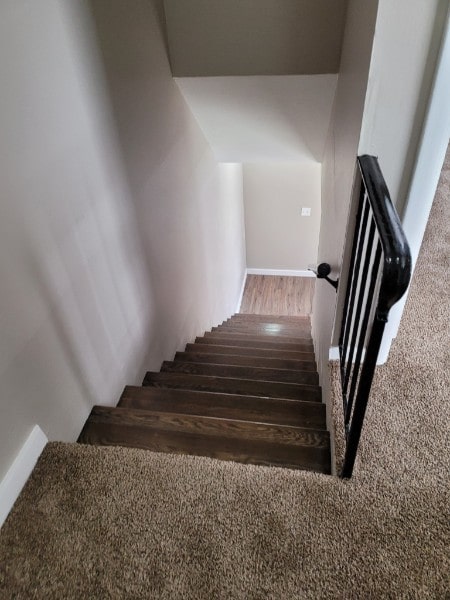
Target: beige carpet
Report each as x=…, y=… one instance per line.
x=116, y=523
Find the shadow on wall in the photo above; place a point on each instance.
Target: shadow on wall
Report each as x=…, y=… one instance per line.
x=177, y=185
x=76, y=305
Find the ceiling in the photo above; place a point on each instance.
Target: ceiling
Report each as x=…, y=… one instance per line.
x=258, y=75
x=254, y=37
x=263, y=119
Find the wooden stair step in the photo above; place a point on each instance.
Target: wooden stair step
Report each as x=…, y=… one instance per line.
x=250, y=351
x=233, y=406
x=249, y=361
x=241, y=441
x=201, y=425
x=268, y=328
x=246, y=391
x=264, y=332
x=230, y=385
x=251, y=317
x=282, y=335
x=242, y=372
x=262, y=319
x=253, y=342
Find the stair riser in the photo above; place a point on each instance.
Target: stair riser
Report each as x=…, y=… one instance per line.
x=268, y=329
x=245, y=361
x=252, y=352
x=207, y=426
x=258, y=453
x=300, y=322
x=253, y=373
x=234, y=386
x=282, y=319
x=263, y=336
x=250, y=342
x=227, y=406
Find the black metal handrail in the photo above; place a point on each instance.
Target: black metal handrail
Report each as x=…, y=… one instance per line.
x=379, y=274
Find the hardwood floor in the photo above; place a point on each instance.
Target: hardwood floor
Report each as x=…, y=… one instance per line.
x=272, y=295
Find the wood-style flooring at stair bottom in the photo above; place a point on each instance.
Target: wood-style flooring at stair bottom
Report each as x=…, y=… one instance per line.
x=246, y=391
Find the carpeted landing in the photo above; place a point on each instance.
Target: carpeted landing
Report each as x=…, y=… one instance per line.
x=101, y=522
x=104, y=522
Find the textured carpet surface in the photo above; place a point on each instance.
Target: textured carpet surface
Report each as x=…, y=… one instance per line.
x=121, y=523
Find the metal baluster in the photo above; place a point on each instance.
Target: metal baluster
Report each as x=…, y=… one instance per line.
x=364, y=327
x=354, y=284
x=364, y=260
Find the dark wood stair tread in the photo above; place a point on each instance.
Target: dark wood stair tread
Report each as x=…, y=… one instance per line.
x=243, y=372
x=305, y=338
x=302, y=323
x=245, y=361
x=263, y=333
x=215, y=404
x=240, y=441
x=246, y=391
x=201, y=425
x=284, y=319
x=251, y=351
x=253, y=342
x=230, y=385
x=266, y=329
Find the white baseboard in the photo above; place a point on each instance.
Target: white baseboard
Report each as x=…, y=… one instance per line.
x=281, y=272
x=18, y=473
x=333, y=353
x=241, y=295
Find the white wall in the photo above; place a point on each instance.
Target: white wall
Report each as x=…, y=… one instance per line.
x=100, y=265
x=406, y=44
x=189, y=206
x=339, y=164
x=386, y=121
x=412, y=176
x=277, y=236
x=254, y=37
x=263, y=119
x=74, y=285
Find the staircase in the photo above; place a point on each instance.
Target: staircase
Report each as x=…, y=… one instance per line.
x=247, y=391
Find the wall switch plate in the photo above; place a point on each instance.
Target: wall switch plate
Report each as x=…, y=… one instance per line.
x=306, y=212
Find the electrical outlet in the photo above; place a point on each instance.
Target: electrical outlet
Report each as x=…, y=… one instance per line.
x=306, y=212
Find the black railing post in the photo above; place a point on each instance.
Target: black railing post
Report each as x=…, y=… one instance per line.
x=380, y=259
x=367, y=373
